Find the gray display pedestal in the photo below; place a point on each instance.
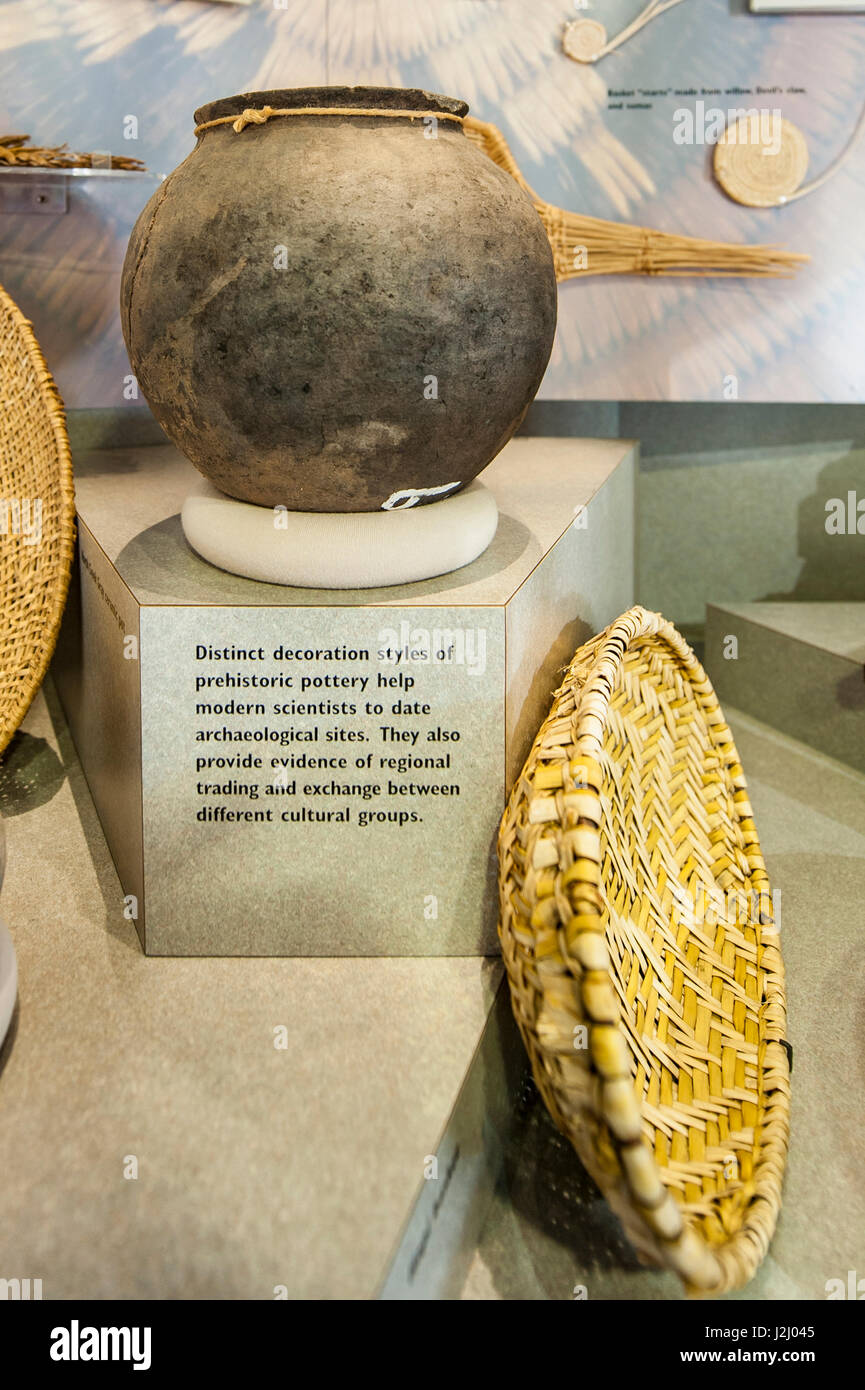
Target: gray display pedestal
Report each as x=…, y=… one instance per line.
x=318, y=772
x=795, y=666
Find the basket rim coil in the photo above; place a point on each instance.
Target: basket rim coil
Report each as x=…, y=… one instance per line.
x=575, y=910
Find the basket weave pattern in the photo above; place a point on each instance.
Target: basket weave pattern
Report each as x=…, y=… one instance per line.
x=645, y=971
x=35, y=471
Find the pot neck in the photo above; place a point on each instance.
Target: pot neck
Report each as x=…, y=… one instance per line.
x=263, y=114
x=399, y=103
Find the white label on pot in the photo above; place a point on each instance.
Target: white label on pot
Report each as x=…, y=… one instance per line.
x=410, y=496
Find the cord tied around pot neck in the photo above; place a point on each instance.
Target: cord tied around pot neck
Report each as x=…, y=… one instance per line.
x=262, y=114
x=252, y=116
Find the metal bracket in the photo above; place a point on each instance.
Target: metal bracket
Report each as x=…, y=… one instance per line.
x=24, y=195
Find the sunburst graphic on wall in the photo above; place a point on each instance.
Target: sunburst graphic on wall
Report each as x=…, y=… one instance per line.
x=157, y=53
x=477, y=49
x=505, y=60
x=597, y=139
x=76, y=73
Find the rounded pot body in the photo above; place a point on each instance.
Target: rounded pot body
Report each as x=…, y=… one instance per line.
x=339, y=312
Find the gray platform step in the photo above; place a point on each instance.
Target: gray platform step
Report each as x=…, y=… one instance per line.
x=799, y=667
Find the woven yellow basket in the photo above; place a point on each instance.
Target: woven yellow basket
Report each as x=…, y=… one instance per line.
x=37, y=516
x=644, y=963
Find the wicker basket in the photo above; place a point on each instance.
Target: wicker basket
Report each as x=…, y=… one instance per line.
x=37, y=516
x=643, y=959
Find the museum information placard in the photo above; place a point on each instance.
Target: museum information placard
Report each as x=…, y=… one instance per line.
x=319, y=780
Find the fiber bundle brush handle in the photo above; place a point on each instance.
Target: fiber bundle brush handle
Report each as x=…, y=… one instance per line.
x=591, y=246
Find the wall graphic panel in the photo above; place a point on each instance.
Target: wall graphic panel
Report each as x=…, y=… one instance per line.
x=76, y=73
x=600, y=139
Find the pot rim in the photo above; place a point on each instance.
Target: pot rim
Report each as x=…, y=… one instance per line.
x=367, y=98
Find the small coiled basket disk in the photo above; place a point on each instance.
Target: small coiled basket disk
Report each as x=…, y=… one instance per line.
x=644, y=965
x=761, y=167
x=584, y=40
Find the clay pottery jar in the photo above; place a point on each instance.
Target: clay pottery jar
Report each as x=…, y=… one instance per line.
x=338, y=312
